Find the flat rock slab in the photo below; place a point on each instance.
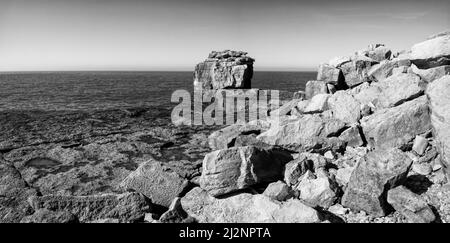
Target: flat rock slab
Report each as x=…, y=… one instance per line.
x=232, y=169
x=246, y=208
x=375, y=173
x=127, y=207
x=157, y=182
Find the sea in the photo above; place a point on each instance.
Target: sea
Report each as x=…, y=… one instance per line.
x=57, y=91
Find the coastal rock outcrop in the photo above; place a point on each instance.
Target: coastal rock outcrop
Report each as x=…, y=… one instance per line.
x=225, y=69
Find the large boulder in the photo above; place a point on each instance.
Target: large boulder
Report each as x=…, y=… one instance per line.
x=397, y=126
x=374, y=175
x=127, y=207
x=308, y=132
x=157, y=182
x=345, y=107
x=226, y=69
x=399, y=88
x=232, y=169
x=432, y=52
x=226, y=137
x=357, y=70
x=438, y=93
x=246, y=208
x=330, y=74
x=410, y=205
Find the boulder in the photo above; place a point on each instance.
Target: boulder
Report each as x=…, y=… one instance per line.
x=431, y=74
x=330, y=74
x=246, y=208
x=381, y=71
x=432, y=52
x=157, y=182
x=232, y=169
x=127, y=207
x=278, y=191
x=438, y=93
x=309, y=132
x=226, y=137
x=297, y=168
x=315, y=87
x=399, y=88
x=395, y=127
x=227, y=69
x=376, y=173
x=345, y=107
x=379, y=52
x=357, y=71
x=317, y=192
x=317, y=104
x=175, y=213
x=410, y=205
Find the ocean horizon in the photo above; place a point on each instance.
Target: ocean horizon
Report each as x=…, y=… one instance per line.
x=93, y=90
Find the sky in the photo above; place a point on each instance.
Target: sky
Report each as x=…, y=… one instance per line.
x=55, y=35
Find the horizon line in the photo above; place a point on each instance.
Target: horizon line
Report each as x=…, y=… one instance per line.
x=151, y=70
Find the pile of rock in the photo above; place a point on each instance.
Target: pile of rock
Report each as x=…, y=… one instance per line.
x=371, y=124
x=224, y=69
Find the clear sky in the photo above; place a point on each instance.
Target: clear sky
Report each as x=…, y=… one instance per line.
x=177, y=34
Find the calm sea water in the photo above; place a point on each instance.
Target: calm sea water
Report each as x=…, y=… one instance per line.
x=109, y=90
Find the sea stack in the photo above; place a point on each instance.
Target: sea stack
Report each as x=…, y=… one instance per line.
x=224, y=70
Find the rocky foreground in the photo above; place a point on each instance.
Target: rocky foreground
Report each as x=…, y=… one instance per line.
x=368, y=141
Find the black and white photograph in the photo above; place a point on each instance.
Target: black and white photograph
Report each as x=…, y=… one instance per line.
x=189, y=113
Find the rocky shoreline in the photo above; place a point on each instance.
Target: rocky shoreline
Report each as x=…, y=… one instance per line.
x=368, y=141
